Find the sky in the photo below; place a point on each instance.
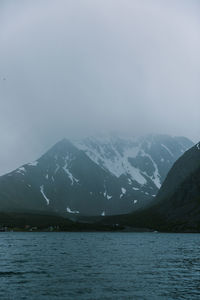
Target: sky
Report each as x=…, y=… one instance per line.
x=73, y=68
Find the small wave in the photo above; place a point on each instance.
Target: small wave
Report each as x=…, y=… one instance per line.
x=12, y=273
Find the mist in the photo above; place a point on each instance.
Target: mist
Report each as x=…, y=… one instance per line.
x=77, y=68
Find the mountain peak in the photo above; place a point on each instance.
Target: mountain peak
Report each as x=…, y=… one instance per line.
x=61, y=148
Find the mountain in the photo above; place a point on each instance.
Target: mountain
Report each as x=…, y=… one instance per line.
x=93, y=176
x=178, y=201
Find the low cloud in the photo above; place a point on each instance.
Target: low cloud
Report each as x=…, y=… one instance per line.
x=74, y=68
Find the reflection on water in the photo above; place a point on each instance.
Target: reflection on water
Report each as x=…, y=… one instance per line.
x=99, y=266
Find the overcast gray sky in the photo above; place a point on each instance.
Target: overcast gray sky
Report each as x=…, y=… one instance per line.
x=76, y=67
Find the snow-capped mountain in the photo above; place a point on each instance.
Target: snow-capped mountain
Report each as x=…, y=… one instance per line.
x=93, y=176
x=140, y=159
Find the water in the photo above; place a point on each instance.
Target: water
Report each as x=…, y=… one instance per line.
x=99, y=266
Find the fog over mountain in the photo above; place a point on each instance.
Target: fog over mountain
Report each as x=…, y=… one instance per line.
x=76, y=68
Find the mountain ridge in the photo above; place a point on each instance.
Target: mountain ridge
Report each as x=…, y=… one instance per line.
x=122, y=176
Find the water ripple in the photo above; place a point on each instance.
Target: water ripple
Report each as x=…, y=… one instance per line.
x=96, y=266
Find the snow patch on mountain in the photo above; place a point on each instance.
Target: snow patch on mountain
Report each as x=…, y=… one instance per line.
x=156, y=176
x=69, y=210
x=43, y=194
x=33, y=164
x=21, y=170
x=105, y=154
x=168, y=150
x=136, y=189
x=123, y=192
x=106, y=195
x=71, y=177
x=68, y=160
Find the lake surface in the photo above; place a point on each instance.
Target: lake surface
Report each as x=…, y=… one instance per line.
x=111, y=265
